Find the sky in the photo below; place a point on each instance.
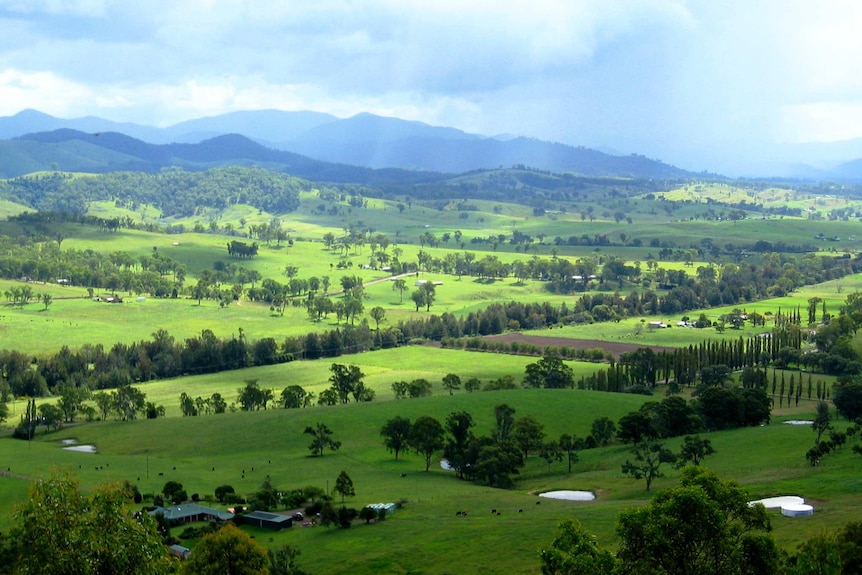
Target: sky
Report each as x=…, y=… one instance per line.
x=702, y=84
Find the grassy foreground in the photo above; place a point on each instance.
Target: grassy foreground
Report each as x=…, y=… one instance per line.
x=426, y=536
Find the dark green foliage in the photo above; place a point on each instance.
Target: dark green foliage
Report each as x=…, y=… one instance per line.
x=395, y=433
x=574, y=552
x=702, y=526
x=283, y=561
x=648, y=458
x=549, y=372
x=344, y=486
x=847, y=397
x=321, y=439
x=426, y=437
x=694, y=449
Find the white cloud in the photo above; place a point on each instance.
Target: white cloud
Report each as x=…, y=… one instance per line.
x=44, y=91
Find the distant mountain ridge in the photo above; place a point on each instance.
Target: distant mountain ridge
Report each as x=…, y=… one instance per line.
x=364, y=140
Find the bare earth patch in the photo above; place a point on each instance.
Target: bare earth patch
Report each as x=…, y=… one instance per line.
x=616, y=348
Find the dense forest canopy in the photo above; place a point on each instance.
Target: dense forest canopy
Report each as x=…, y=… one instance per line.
x=175, y=193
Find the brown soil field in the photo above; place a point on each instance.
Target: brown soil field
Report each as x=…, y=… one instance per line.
x=615, y=348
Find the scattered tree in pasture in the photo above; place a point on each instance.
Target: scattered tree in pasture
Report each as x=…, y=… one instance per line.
x=528, y=434
x=378, y=314
x=648, y=458
x=321, y=439
x=426, y=437
x=549, y=372
x=570, y=445
x=693, y=450
x=602, y=430
x=451, y=382
x=283, y=561
x=344, y=486
x=396, y=432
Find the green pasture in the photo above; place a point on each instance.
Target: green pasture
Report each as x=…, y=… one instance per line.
x=241, y=448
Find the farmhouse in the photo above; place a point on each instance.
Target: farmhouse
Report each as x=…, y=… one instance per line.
x=264, y=519
x=191, y=512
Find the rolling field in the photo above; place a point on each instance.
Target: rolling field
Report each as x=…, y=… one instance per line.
x=426, y=536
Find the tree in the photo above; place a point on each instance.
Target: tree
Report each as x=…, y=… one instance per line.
x=425, y=295
x=395, y=433
x=378, y=314
x=648, y=457
x=400, y=285
x=635, y=427
x=821, y=422
x=46, y=299
x=574, y=552
x=61, y=530
x=551, y=452
x=282, y=561
x=344, y=380
x=294, y=397
x=426, y=437
x=344, y=486
x=228, y=550
x=602, y=430
x=693, y=450
x=847, y=397
x=549, y=372
x=367, y=514
x=505, y=419
x=702, y=526
x=321, y=439
x=570, y=444
x=528, y=434
x=451, y=382
x=459, y=425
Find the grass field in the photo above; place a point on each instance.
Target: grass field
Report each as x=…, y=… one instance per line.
x=208, y=451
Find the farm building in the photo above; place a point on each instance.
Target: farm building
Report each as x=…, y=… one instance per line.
x=264, y=519
x=179, y=551
x=191, y=512
x=388, y=507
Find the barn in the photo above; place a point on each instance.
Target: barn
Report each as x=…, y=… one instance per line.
x=267, y=520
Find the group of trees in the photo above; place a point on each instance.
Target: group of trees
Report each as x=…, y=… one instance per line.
x=703, y=525
x=173, y=192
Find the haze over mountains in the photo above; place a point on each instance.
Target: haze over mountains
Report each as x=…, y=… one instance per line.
x=305, y=142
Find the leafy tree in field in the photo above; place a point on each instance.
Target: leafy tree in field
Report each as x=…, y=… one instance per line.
x=495, y=463
x=459, y=425
x=504, y=416
x=693, y=450
x=570, y=445
x=821, y=421
x=321, y=439
x=367, y=514
x=395, y=433
x=528, y=434
x=472, y=384
x=344, y=380
x=223, y=491
x=635, y=427
x=574, y=552
x=61, y=530
x=426, y=437
x=648, y=457
x=602, y=430
x=294, y=397
x=344, y=486
x=451, y=382
x=400, y=285
x=420, y=387
x=228, y=550
x=283, y=561
x=51, y=416
x=551, y=452
x=847, y=397
x=549, y=372
x=378, y=314
x=702, y=526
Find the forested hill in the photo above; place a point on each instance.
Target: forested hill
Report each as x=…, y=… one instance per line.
x=74, y=151
x=418, y=159
x=175, y=193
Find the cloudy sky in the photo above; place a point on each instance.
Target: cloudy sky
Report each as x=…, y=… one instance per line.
x=702, y=84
